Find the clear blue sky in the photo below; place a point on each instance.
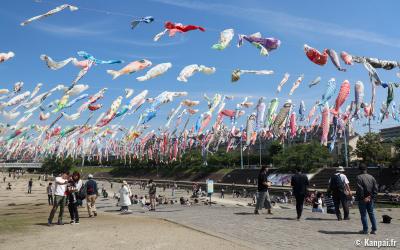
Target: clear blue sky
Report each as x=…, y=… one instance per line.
x=359, y=27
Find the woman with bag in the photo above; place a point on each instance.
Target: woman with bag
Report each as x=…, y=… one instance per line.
x=73, y=188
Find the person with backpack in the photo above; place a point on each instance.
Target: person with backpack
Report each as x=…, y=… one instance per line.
x=74, y=186
x=339, y=189
x=91, y=196
x=367, y=190
x=152, y=193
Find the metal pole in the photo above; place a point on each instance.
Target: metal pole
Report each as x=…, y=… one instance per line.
x=345, y=147
x=241, y=153
x=248, y=160
x=369, y=124
x=259, y=139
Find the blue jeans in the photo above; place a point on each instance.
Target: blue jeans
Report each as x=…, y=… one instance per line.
x=364, y=208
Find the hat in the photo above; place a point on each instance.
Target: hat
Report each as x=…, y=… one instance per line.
x=90, y=176
x=124, y=183
x=340, y=169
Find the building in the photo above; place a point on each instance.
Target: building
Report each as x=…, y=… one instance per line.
x=338, y=152
x=388, y=135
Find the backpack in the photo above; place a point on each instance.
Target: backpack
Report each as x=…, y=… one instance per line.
x=82, y=192
x=336, y=184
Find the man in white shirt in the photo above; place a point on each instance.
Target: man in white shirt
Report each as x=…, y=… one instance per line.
x=339, y=188
x=59, y=198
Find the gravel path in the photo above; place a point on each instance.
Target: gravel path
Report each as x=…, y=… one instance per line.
x=229, y=224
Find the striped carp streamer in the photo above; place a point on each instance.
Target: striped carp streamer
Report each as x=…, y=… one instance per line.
x=325, y=124
x=174, y=28
x=315, y=81
x=330, y=90
x=6, y=56
x=283, y=81
x=189, y=71
x=156, y=71
x=225, y=38
x=335, y=59
x=296, y=84
x=281, y=118
x=358, y=98
x=272, y=106
x=342, y=96
x=50, y=13
x=265, y=45
x=146, y=19
x=130, y=68
x=250, y=128
x=238, y=72
x=315, y=56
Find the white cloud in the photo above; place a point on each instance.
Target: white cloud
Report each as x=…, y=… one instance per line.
x=83, y=30
x=286, y=22
x=174, y=41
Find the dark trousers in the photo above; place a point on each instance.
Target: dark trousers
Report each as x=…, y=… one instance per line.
x=73, y=211
x=29, y=189
x=299, y=204
x=340, y=198
x=50, y=199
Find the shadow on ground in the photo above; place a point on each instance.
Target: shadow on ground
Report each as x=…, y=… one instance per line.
x=337, y=232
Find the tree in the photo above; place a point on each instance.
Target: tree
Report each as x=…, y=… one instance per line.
x=305, y=156
x=341, y=158
x=57, y=165
x=396, y=145
x=369, y=148
x=274, y=148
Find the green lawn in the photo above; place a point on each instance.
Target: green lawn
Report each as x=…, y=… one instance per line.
x=92, y=170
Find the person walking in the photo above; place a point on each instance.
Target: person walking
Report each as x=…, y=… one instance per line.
x=174, y=188
x=124, y=197
x=74, y=186
x=91, y=196
x=152, y=193
x=340, y=189
x=30, y=183
x=222, y=193
x=300, y=183
x=50, y=193
x=367, y=190
x=59, y=199
x=263, y=199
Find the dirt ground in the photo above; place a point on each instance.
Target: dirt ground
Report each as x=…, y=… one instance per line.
x=24, y=216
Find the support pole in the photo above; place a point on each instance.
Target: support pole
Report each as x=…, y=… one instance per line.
x=345, y=147
x=241, y=153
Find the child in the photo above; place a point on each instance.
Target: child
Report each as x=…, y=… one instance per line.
x=317, y=204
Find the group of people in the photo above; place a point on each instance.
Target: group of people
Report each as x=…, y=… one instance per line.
x=69, y=189
x=126, y=197
x=339, y=191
